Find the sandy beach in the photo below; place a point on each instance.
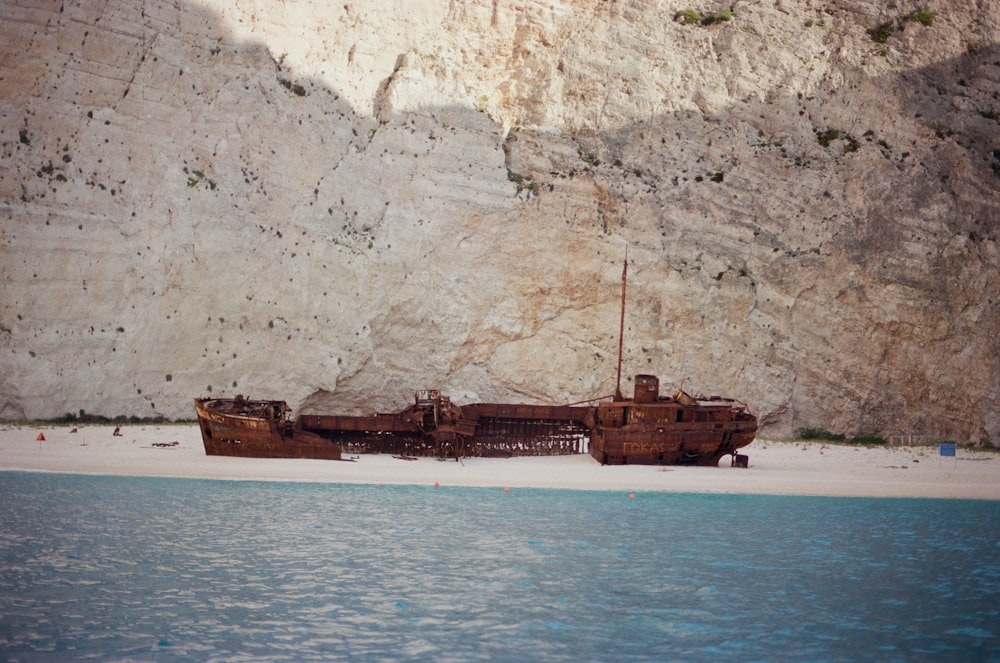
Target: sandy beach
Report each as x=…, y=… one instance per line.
x=776, y=468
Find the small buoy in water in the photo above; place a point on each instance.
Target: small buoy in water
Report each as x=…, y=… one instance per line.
x=378, y=485
x=436, y=484
x=631, y=496
x=506, y=489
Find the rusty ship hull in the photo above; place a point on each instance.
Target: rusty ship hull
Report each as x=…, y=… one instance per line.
x=257, y=429
x=692, y=445
x=431, y=426
x=679, y=430
x=647, y=429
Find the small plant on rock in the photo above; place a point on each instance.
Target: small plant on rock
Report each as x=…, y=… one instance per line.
x=718, y=17
x=828, y=136
x=523, y=183
x=881, y=33
x=693, y=17
x=688, y=16
x=923, y=16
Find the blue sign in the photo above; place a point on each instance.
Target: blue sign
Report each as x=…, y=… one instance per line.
x=947, y=449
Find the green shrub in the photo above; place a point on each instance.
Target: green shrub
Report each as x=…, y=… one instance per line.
x=881, y=33
x=819, y=434
x=924, y=16
x=828, y=136
x=523, y=183
x=718, y=17
x=693, y=17
x=689, y=16
x=869, y=440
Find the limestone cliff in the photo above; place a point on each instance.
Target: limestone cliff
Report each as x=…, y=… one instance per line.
x=336, y=204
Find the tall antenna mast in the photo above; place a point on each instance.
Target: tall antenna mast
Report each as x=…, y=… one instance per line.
x=621, y=329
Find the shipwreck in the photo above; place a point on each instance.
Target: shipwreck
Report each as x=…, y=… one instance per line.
x=648, y=428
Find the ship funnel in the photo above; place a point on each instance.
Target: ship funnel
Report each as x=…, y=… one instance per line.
x=647, y=389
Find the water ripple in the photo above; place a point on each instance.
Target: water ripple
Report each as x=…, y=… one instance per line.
x=161, y=569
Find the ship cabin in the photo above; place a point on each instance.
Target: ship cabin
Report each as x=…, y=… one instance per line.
x=648, y=408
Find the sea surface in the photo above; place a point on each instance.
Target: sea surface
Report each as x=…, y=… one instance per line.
x=125, y=568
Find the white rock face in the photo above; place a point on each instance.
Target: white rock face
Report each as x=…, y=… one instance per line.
x=336, y=204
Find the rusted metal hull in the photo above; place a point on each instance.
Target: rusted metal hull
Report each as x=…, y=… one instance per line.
x=646, y=429
x=257, y=429
x=701, y=444
x=680, y=430
x=480, y=429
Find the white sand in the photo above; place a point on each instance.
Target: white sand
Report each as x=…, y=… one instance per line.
x=776, y=468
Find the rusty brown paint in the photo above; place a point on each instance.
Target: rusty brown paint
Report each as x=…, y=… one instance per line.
x=646, y=429
x=257, y=429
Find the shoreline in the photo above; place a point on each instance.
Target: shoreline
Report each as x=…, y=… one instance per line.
x=776, y=468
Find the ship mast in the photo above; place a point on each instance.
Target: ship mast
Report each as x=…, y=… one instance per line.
x=621, y=330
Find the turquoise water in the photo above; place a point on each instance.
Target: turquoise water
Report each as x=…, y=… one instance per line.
x=115, y=568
